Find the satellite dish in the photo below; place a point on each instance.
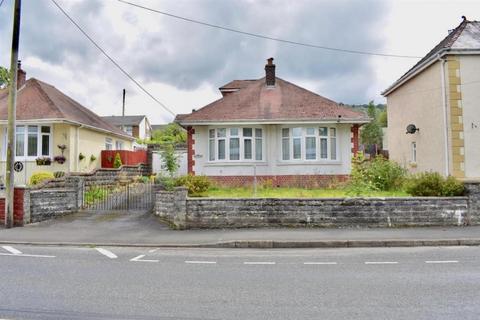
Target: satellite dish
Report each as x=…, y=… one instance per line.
x=411, y=129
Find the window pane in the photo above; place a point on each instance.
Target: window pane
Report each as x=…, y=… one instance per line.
x=234, y=131
x=33, y=129
x=258, y=133
x=45, y=129
x=234, y=149
x=333, y=132
x=311, y=148
x=247, y=132
x=221, y=149
x=333, y=148
x=297, y=148
x=20, y=144
x=247, y=148
x=211, y=133
x=285, y=149
x=285, y=133
x=323, y=148
x=45, y=145
x=32, y=144
x=20, y=129
x=297, y=132
x=221, y=133
x=311, y=131
x=323, y=131
x=211, y=150
x=258, y=149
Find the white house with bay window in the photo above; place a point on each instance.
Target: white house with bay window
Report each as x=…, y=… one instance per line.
x=272, y=130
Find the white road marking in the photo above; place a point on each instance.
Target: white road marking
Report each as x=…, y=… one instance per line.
x=153, y=250
x=259, y=262
x=444, y=261
x=26, y=255
x=139, y=259
x=107, y=253
x=12, y=250
x=381, y=262
x=200, y=262
x=321, y=263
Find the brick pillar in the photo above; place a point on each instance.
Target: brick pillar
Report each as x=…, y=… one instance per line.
x=190, y=150
x=149, y=164
x=18, y=210
x=354, y=139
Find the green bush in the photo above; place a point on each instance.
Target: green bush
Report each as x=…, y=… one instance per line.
x=38, y=177
x=196, y=185
x=117, y=163
x=378, y=174
x=168, y=183
x=431, y=184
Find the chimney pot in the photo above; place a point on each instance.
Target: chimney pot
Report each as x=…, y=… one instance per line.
x=21, y=75
x=270, y=73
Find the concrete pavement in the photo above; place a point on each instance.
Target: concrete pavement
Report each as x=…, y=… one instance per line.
x=142, y=229
x=168, y=283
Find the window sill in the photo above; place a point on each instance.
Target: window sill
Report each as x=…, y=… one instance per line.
x=309, y=162
x=234, y=163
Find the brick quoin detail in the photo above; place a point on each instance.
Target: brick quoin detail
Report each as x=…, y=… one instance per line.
x=302, y=181
x=17, y=208
x=190, y=150
x=354, y=139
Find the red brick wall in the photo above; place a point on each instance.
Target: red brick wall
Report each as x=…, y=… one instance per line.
x=18, y=209
x=130, y=158
x=303, y=181
x=190, y=150
x=355, y=138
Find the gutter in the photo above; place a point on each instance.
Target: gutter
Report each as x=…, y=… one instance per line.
x=260, y=122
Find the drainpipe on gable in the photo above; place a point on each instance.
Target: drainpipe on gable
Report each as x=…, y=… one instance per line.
x=445, y=114
x=77, y=148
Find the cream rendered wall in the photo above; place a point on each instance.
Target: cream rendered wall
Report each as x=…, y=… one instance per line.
x=272, y=164
x=470, y=89
x=418, y=102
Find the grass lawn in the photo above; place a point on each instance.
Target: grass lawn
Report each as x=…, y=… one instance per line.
x=295, y=193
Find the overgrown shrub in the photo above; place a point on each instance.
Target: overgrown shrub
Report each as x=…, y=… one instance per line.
x=431, y=184
x=117, y=163
x=170, y=160
x=38, y=177
x=378, y=174
x=196, y=185
x=168, y=183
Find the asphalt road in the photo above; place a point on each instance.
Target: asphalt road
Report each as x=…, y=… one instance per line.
x=145, y=283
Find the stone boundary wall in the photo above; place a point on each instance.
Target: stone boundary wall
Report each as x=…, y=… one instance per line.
x=185, y=213
x=50, y=203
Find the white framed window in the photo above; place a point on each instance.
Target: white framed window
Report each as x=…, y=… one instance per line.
x=118, y=145
x=309, y=143
x=414, y=152
x=235, y=144
x=108, y=144
x=33, y=141
x=128, y=130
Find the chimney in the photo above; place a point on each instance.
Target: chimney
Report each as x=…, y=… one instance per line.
x=270, y=73
x=21, y=75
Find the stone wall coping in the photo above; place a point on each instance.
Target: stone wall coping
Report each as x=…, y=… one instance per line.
x=471, y=181
x=52, y=190
x=328, y=199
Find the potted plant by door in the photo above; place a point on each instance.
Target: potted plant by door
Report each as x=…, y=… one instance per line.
x=60, y=159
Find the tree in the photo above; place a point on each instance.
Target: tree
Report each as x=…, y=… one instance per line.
x=117, y=162
x=383, y=119
x=170, y=159
x=172, y=133
x=371, y=133
x=4, y=77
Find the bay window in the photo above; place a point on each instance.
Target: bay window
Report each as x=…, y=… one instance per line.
x=235, y=144
x=309, y=143
x=33, y=141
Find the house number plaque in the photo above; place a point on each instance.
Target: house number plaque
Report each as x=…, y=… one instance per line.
x=18, y=166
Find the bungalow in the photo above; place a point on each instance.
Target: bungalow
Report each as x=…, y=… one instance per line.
x=273, y=130
x=433, y=109
x=136, y=126
x=54, y=132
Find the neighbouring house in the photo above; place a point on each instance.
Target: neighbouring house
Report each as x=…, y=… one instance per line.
x=275, y=130
x=50, y=125
x=439, y=99
x=136, y=126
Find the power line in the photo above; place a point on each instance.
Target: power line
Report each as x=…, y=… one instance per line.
x=256, y=35
x=111, y=59
x=1, y=2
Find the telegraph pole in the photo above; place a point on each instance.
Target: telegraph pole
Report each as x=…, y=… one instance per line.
x=12, y=104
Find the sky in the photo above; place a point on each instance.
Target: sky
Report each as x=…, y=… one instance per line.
x=183, y=64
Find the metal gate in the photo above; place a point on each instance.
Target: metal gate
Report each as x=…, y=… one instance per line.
x=132, y=196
